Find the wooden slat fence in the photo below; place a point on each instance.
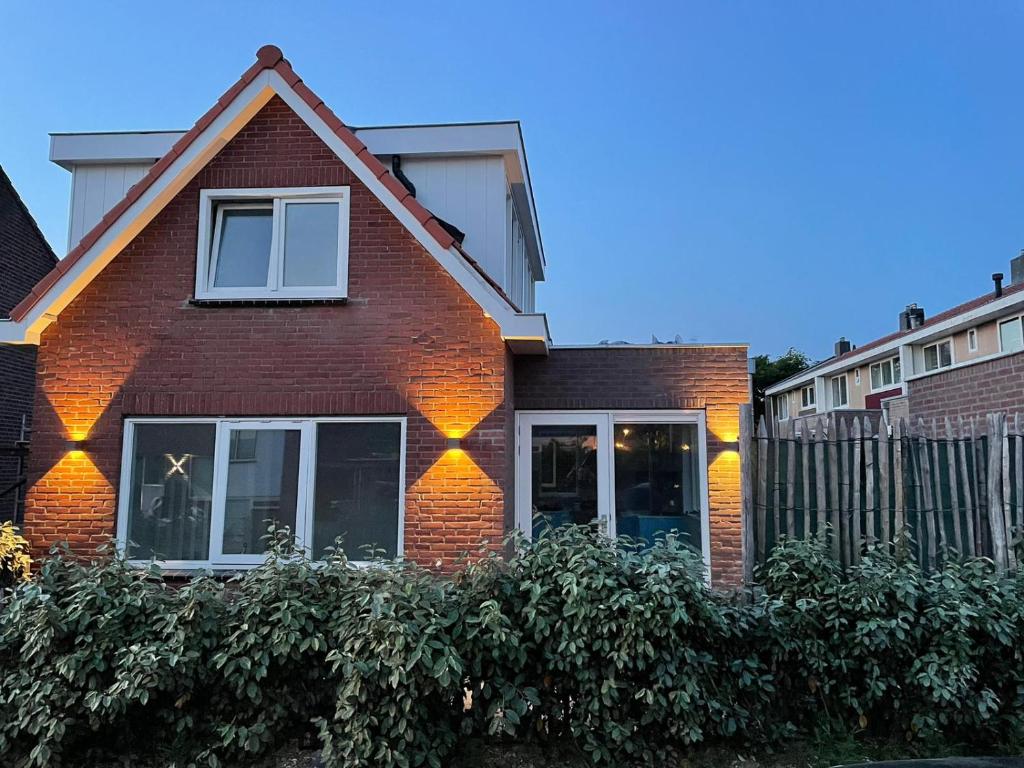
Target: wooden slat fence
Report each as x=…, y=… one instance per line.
x=950, y=487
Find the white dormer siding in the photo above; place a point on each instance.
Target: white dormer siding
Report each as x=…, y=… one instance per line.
x=472, y=176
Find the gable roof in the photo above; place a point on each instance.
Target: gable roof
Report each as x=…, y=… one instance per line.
x=270, y=75
x=25, y=256
x=894, y=340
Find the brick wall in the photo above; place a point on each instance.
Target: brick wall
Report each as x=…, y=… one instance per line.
x=409, y=341
x=974, y=390
x=713, y=379
x=24, y=258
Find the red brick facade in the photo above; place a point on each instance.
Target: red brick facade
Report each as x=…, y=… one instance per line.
x=409, y=341
x=972, y=390
x=713, y=379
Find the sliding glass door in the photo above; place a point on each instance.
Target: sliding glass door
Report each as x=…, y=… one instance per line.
x=636, y=473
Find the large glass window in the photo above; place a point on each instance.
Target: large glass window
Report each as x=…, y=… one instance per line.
x=1010, y=337
x=657, y=481
x=633, y=473
x=564, y=475
x=357, y=487
x=170, y=493
x=260, y=490
x=807, y=397
x=204, y=493
x=885, y=374
x=782, y=407
x=289, y=243
x=840, y=393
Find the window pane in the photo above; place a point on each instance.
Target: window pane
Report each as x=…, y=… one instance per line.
x=931, y=358
x=657, y=486
x=1010, y=339
x=171, y=491
x=243, y=255
x=945, y=354
x=876, y=376
x=897, y=372
x=887, y=373
x=564, y=469
x=262, y=489
x=357, y=487
x=311, y=244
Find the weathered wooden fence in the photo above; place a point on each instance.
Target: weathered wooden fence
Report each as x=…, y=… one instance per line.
x=949, y=487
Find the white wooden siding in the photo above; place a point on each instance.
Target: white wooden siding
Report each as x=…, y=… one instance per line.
x=468, y=192
x=95, y=189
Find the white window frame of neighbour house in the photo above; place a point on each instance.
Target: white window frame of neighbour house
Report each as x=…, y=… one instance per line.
x=605, y=422
x=212, y=205
x=782, y=407
x=807, y=397
x=844, y=389
x=895, y=374
x=938, y=358
x=305, y=497
x=999, y=332
x=972, y=340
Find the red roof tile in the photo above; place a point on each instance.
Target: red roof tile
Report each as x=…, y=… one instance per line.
x=267, y=57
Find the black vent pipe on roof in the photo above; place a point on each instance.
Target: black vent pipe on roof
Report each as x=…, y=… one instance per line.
x=997, y=278
x=396, y=168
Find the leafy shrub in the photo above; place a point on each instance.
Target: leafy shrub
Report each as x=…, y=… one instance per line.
x=15, y=562
x=619, y=649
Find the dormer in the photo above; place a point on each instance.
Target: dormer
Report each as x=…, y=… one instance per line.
x=472, y=176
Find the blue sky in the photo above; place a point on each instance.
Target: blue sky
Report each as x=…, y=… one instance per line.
x=780, y=173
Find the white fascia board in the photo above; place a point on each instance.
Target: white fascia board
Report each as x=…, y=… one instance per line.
x=938, y=331
x=70, y=149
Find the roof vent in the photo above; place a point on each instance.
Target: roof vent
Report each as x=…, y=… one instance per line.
x=843, y=346
x=912, y=317
x=997, y=280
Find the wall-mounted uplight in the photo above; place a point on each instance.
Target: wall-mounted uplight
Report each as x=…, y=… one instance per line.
x=75, y=445
x=454, y=443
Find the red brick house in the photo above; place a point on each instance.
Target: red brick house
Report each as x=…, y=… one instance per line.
x=25, y=257
x=271, y=324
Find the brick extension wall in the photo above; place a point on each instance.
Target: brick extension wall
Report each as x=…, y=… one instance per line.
x=24, y=258
x=973, y=390
x=713, y=379
x=409, y=341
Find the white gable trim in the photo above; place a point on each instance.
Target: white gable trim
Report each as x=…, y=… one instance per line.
x=185, y=167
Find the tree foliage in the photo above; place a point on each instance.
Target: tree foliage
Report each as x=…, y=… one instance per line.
x=768, y=371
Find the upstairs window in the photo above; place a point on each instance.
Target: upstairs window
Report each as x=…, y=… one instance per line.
x=284, y=244
x=939, y=355
x=840, y=395
x=1010, y=337
x=807, y=397
x=885, y=374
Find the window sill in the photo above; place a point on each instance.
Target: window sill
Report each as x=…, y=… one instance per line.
x=266, y=302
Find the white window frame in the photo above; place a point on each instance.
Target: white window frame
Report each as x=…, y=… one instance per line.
x=845, y=388
x=892, y=362
x=808, y=402
x=605, y=421
x=782, y=403
x=938, y=358
x=304, y=512
x=999, y=325
x=972, y=339
x=277, y=200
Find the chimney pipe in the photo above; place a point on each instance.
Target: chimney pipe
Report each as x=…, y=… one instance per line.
x=912, y=317
x=843, y=346
x=997, y=278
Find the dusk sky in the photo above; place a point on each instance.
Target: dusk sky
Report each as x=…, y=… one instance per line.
x=778, y=173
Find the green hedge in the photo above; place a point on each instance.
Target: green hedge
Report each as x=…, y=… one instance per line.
x=618, y=649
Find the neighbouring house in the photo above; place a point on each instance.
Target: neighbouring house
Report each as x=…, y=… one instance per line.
x=967, y=361
x=25, y=257
x=277, y=316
